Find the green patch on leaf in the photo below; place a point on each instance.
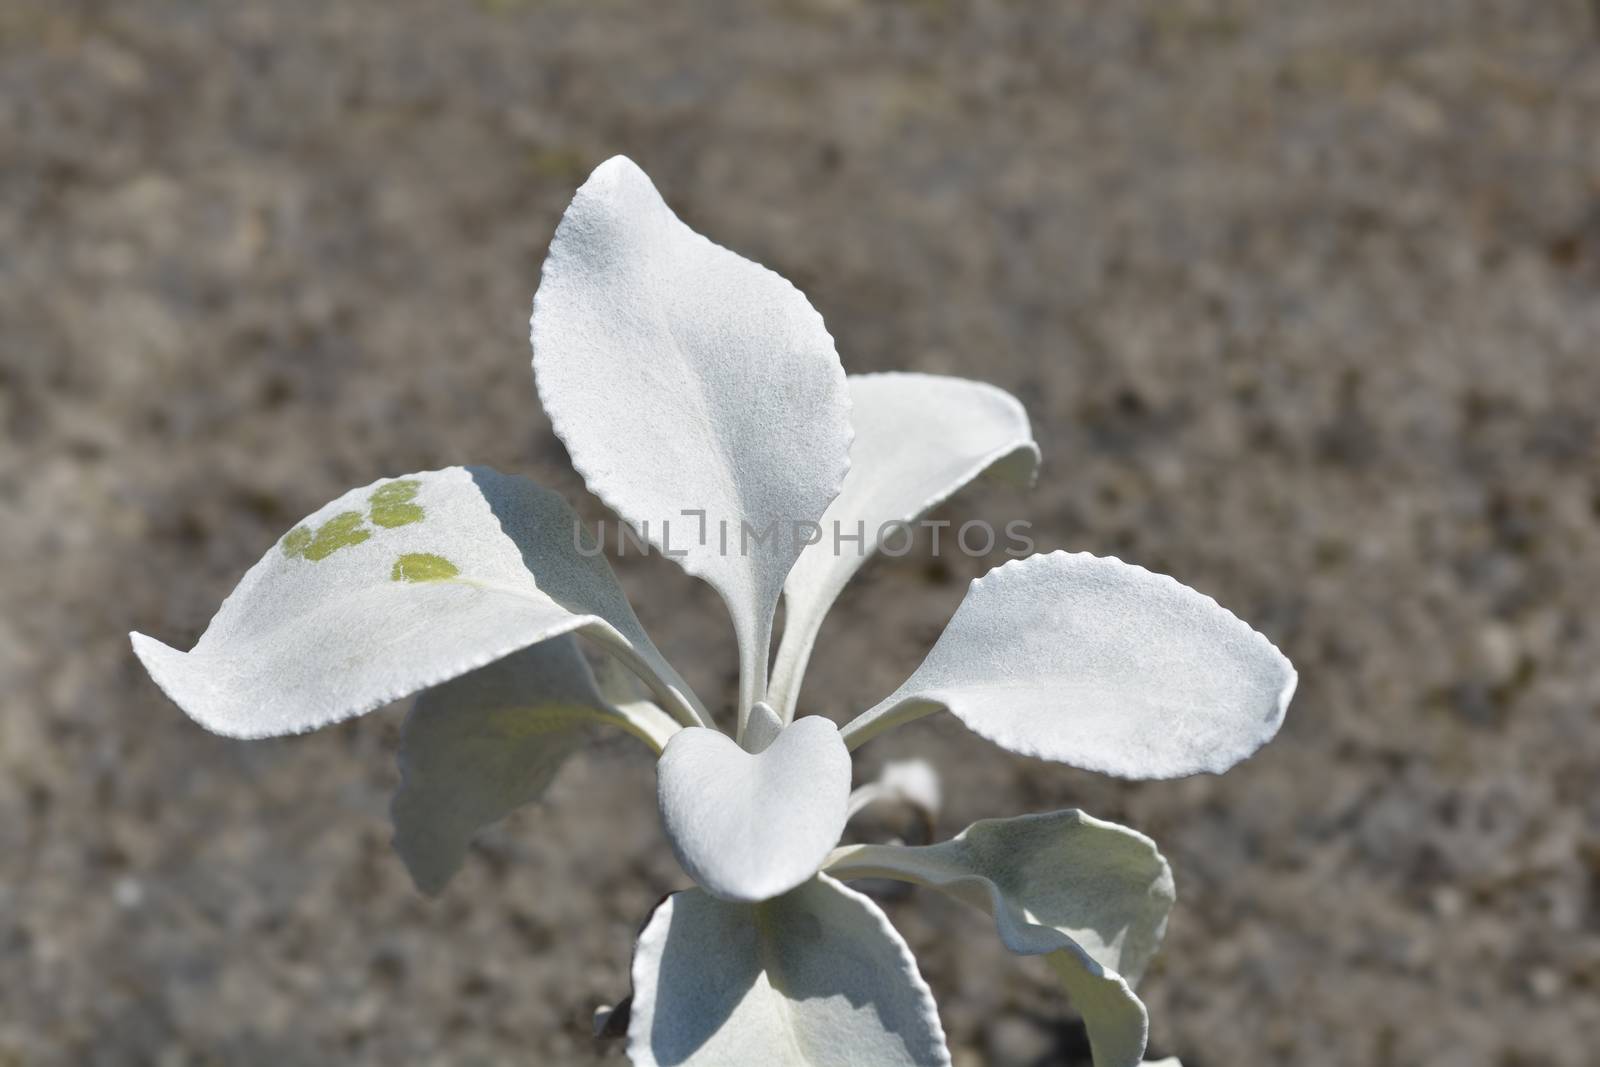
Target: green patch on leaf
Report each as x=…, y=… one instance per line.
x=423, y=567
x=341, y=531
x=296, y=541
x=392, y=503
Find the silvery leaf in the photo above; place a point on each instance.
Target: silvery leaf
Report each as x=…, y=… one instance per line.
x=698, y=394
x=482, y=745
x=396, y=587
x=750, y=826
x=1100, y=664
x=1090, y=896
x=918, y=439
x=815, y=978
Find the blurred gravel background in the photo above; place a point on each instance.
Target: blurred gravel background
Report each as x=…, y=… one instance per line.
x=1301, y=297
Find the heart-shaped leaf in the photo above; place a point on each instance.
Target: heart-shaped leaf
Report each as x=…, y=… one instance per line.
x=748, y=827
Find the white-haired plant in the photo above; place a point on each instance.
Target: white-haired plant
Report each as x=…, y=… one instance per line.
x=687, y=381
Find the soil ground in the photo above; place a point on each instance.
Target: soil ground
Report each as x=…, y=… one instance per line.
x=1301, y=299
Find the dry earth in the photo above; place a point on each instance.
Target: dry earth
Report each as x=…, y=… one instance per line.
x=1301, y=297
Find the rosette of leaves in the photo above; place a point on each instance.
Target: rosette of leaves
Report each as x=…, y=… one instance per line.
x=698, y=391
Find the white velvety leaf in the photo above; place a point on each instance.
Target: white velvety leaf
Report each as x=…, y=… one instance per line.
x=395, y=587
x=1091, y=896
x=1100, y=664
x=749, y=826
x=684, y=378
x=814, y=978
x=918, y=439
x=482, y=745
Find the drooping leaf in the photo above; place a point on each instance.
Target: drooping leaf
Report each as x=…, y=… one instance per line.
x=482, y=745
x=1090, y=896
